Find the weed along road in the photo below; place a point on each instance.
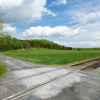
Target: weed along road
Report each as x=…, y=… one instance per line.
x=26, y=81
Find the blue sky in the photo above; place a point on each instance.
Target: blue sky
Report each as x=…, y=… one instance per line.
x=69, y=22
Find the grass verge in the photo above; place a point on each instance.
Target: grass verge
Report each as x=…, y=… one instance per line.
x=3, y=69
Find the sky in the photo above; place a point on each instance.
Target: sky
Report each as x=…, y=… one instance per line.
x=73, y=23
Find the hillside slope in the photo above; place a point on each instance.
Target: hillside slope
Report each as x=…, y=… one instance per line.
x=9, y=43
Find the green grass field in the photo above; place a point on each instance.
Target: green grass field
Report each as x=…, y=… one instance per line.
x=52, y=57
x=3, y=69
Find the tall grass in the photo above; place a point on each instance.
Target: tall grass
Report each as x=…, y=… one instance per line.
x=51, y=56
x=3, y=69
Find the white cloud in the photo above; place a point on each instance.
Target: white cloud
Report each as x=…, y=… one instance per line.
x=89, y=36
x=85, y=17
x=84, y=44
x=80, y=44
x=59, y=2
x=49, y=12
x=15, y=10
x=8, y=4
x=9, y=29
x=47, y=31
x=88, y=20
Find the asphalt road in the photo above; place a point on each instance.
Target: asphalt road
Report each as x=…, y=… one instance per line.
x=26, y=81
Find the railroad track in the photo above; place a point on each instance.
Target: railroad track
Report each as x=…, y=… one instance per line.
x=26, y=92
x=85, y=64
x=32, y=75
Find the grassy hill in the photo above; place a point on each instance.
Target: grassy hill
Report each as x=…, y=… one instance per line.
x=9, y=43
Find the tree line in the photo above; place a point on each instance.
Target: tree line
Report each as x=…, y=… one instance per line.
x=9, y=43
